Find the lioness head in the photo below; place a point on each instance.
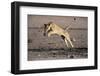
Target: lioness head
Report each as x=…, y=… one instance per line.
x=46, y=28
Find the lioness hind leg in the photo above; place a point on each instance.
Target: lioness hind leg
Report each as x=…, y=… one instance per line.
x=66, y=42
x=70, y=42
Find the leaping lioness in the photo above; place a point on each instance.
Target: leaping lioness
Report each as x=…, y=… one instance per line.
x=52, y=28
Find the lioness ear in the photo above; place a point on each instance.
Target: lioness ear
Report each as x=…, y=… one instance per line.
x=45, y=24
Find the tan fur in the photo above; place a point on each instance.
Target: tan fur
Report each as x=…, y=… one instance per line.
x=55, y=29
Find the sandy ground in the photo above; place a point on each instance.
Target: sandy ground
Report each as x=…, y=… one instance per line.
x=52, y=54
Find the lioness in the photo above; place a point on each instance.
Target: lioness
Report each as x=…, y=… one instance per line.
x=52, y=28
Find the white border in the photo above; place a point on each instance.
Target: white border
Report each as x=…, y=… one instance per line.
x=26, y=65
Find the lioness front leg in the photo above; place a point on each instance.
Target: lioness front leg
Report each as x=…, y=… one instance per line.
x=50, y=33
